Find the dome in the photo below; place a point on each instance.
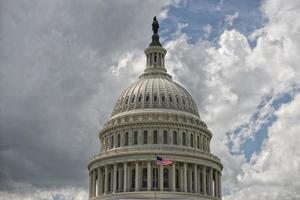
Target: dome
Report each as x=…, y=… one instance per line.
x=155, y=119
x=155, y=92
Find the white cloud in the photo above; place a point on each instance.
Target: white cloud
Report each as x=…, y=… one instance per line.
x=230, y=80
x=229, y=19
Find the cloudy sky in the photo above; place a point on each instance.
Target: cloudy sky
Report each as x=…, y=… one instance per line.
x=64, y=62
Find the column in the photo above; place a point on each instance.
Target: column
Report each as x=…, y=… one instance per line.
x=149, y=176
x=185, y=177
x=125, y=177
x=215, y=183
x=94, y=183
x=195, y=179
x=136, y=176
x=161, y=178
x=210, y=181
x=105, y=179
x=220, y=185
x=90, y=183
x=190, y=188
x=173, y=177
x=120, y=179
x=204, y=180
x=115, y=178
x=99, y=182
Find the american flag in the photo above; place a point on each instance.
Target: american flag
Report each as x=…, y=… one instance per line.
x=162, y=161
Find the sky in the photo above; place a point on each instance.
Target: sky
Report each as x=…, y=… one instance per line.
x=63, y=63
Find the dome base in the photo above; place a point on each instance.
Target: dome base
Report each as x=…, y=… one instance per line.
x=153, y=195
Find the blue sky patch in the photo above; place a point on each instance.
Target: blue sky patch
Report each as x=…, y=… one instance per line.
x=216, y=14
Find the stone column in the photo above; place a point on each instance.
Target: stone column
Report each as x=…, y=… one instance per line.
x=94, y=184
x=190, y=188
x=90, y=183
x=149, y=176
x=220, y=185
x=204, y=180
x=195, y=179
x=211, y=181
x=161, y=178
x=136, y=176
x=99, y=182
x=173, y=177
x=185, y=177
x=105, y=179
x=216, y=183
x=115, y=178
x=125, y=177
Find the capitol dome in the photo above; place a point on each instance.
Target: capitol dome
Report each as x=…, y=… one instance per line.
x=155, y=92
x=154, y=145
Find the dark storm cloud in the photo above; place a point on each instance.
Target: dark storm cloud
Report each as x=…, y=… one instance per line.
x=55, y=77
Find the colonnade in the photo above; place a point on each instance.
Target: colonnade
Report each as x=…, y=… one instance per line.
x=147, y=176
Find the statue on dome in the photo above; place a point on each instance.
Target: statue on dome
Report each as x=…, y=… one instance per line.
x=155, y=25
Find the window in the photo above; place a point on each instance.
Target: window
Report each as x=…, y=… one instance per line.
x=155, y=58
x=165, y=137
x=119, y=140
x=135, y=138
x=147, y=98
x=183, y=139
x=112, y=142
x=192, y=140
x=155, y=98
x=177, y=178
x=155, y=141
x=163, y=98
x=126, y=139
x=144, y=178
x=166, y=178
x=175, y=138
x=154, y=178
x=132, y=99
x=170, y=99
x=198, y=142
x=133, y=178
x=109, y=182
x=145, y=137
x=140, y=98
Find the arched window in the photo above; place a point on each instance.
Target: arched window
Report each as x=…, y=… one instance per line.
x=147, y=98
x=126, y=139
x=119, y=140
x=145, y=137
x=192, y=140
x=175, y=138
x=144, y=178
x=155, y=139
x=183, y=139
x=135, y=138
x=155, y=98
x=166, y=178
x=140, y=98
x=155, y=178
x=165, y=137
x=132, y=178
x=112, y=142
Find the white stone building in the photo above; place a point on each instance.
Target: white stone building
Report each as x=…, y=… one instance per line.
x=155, y=116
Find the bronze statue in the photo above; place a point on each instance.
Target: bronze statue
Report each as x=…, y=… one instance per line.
x=155, y=25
